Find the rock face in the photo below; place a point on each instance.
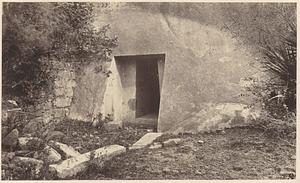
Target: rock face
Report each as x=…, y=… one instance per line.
x=11, y=139
x=67, y=151
x=77, y=164
x=216, y=117
x=145, y=140
x=214, y=59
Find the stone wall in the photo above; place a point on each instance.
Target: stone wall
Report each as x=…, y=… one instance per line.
x=89, y=92
x=59, y=101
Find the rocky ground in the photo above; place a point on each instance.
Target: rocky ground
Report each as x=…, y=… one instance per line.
x=84, y=137
x=237, y=153
x=26, y=156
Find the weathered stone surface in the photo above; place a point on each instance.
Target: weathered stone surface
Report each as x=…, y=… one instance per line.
x=33, y=126
x=55, y=135
x=11, y=139
x=4, y=131
x=24, y=153
x=200, y=141
x=77, y=164
x=13, y=102
x=155, y=146
x=57, y=113
x=30, y=143
x=145, y=140
x=216, y=117
x=62, y=102
x=38, y=164
x=172, y=142
x=287, y=173
x=67, y=151
x=4, y=117
x=237, y=168
x=105, y=153
x=112, y=126
x=86, y=93
x=7, y=156
x=51, y=155
x=63, y=91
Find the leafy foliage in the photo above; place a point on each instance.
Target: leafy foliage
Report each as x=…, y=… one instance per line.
x=35, y=32
x=271, y=29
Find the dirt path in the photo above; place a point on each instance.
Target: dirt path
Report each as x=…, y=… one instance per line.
x=239, y=153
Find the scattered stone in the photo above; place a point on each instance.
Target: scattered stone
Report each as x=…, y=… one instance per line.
x=145, y=140
x=25, y=153
x=78, y=164
x=74, y=134
x=253, y=174
x=291, y=169
x=4, y=131
x=166, y=170
x=223, y=132
x=4, y=116
x=172, y=142
x=11, y=139
x=33, y=126
x=111, y=126
x=175, y=171
x=31, y=143
x=293, y=157
x=27, y=135
x=51, y=155
x=198, y=172
x=187, y=147
x=237, y=168
x=38, y=164
x=155, y=146
x=65, y=150
x=7, y=156
x=154, y=171
x=55, y=135
x=183, y=171
x=13, y=102
x=287, y=173
x=78, y=148
x=92, y=136
x=36, y=155
x=200, y=142
x=140, y=166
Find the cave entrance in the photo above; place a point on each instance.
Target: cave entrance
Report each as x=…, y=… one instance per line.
x=147, y=71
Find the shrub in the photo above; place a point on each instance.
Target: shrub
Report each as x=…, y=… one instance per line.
x=34, y=33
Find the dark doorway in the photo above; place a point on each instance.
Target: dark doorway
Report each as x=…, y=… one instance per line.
x=141, y=78
x=147, y=88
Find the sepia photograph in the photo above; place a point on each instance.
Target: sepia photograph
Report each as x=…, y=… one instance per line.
x=148, y=90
